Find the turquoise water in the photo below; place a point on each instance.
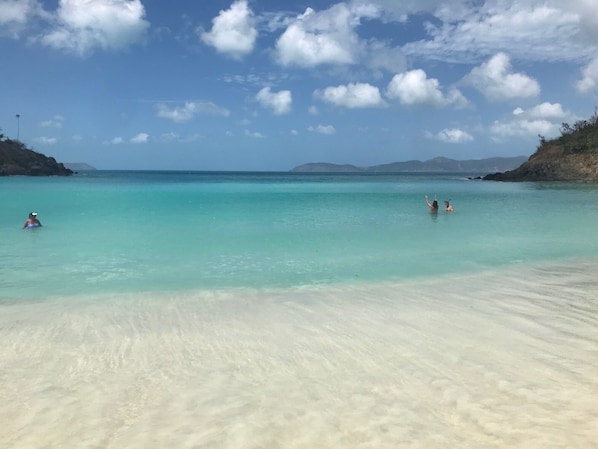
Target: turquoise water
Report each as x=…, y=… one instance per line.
x=110, y=231
x=220, y=310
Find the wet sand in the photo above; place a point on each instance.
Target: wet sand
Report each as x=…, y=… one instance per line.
x=493, y=360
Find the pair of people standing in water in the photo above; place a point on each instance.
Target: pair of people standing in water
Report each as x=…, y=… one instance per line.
x=434, y=205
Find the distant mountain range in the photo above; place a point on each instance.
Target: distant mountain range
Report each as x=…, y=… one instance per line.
x=438, y=164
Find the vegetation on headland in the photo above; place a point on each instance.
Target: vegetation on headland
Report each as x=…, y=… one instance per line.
x=571, y=157
x=17, y=159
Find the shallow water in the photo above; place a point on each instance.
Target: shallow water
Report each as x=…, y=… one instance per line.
x=134, y=231
x=491, y=360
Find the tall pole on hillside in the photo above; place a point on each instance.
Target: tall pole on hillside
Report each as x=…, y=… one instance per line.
x=18, y=125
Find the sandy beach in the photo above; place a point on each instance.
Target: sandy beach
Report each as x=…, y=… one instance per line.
x=491, y=360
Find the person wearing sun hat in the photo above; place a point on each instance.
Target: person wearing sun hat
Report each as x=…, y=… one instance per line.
x=32, y=221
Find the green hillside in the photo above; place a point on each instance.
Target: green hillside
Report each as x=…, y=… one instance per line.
x=571, y=157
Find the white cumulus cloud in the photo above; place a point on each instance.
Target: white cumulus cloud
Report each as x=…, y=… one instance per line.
x=189, y=110
x=254, y=134
x=379, y=55
x=415, y=88
x=543, y=119
x=280, y=102
x=532, y=30
x=140, y=138
x=174, y=137
x=322, y=129
x=453, y=136
x=551, y=111
x=589, y=80
x=15, y=15
x=55, y=122
x=331, y=37
x=522, y=128
x=495, y=80
x=359, y=95
x=84, y=25
x=46, y=140
x=585, y=11
x=315, y=38
x=233, y=32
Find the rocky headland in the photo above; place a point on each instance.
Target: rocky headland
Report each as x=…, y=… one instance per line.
x=572, y=157
x=17, y=159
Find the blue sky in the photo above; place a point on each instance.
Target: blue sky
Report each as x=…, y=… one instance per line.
x=268, y=85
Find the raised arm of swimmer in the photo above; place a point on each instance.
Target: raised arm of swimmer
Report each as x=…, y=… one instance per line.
x=433, y=205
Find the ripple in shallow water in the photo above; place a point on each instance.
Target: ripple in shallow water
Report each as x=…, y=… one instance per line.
x=504, y=359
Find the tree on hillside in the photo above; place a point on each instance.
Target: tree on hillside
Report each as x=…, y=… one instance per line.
x=579, y=125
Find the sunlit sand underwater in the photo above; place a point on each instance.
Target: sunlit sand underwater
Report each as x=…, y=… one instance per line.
x=502, y=359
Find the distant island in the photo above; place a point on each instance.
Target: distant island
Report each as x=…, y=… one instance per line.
x=438, y=164
x=572, y=157
x=17, y=159
x=78, y=166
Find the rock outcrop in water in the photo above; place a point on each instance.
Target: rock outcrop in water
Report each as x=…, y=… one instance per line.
x=17, y=159
x=572, y=157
